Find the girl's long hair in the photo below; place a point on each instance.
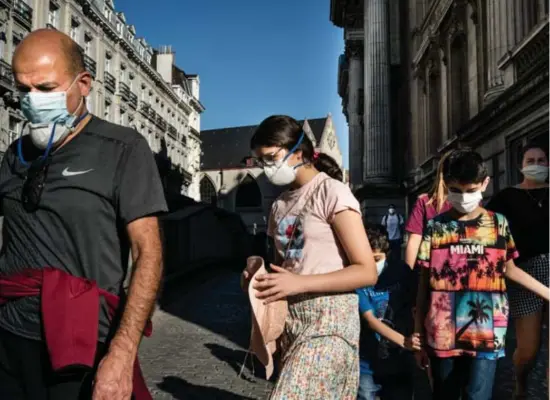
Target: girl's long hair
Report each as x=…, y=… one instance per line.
x=438, y=193
x=284, y=131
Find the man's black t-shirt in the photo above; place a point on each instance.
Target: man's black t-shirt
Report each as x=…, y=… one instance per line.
x=96, y=184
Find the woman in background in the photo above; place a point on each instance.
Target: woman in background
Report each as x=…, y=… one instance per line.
x=526, y=208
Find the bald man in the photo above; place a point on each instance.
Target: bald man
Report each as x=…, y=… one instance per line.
x=76, y=194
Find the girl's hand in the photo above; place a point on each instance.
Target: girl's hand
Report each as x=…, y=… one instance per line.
x=413, y=343
x=422, y=359
x=245, y=278
x=277, y=285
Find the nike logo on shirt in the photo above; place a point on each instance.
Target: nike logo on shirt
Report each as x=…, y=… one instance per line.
x=66, y=172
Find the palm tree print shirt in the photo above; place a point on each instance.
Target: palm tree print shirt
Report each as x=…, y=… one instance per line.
x=468, y=312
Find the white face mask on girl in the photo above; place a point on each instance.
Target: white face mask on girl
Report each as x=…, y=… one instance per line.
x=280, y=173
x=465, y=202
x=537, y=173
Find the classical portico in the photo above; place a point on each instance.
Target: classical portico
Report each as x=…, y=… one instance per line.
x=372, y=48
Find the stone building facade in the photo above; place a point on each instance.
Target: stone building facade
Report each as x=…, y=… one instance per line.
x=230, y=180
x=374, y=100
x=475, y=74
x=134, y=85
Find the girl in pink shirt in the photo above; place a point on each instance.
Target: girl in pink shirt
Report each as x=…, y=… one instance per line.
x=321, y=255
x=427, y=206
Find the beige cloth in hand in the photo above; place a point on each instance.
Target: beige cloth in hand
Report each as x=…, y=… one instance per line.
x=268, y=321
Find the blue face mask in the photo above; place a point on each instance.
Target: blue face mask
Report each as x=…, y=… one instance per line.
x=49, y=120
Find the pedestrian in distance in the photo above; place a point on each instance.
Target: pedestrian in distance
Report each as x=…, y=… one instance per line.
x=321, y=254
x=76, y=194
x=386, y=363
x=462, y=307
x=394, y=222
x=525, y=206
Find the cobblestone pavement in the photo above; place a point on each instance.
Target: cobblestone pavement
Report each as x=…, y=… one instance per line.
x=200, y=338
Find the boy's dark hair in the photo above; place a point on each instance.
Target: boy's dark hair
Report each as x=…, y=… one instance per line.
x=464, y=166
x=378, y=237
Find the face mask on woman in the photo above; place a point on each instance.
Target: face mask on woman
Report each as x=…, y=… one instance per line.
x=537, y=173
x=281, y=173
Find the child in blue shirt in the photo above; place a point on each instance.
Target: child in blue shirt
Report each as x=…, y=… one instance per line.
x=386, y=369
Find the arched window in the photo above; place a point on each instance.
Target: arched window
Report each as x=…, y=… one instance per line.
x=208, y=191
x=248, y=194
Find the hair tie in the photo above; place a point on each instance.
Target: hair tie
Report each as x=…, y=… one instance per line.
x=316, y=155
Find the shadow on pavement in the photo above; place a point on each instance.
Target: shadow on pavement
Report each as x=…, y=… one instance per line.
x=213, y=300
x=181, y=389
x=235, y=358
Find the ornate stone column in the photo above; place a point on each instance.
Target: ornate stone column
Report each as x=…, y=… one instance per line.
x=505, y=26
x=377, y=163
x=354, y=52
x=525, y=17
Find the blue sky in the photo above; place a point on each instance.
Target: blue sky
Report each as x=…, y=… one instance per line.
x=254, y=58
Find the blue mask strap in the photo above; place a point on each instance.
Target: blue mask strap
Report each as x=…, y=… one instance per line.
x=293, y=149
x=48, y=147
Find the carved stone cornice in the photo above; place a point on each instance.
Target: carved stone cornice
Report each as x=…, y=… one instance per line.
x=474, y=16
x=354, y=49
x=456, y=27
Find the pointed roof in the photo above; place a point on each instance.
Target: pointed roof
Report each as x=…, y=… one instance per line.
x=226, y=148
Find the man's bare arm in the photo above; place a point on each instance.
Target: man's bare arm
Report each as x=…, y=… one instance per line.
x=144, y=234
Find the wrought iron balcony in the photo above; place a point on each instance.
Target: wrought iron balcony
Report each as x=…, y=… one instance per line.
x=161, y=123
x=110, y=82
x=133, y=100
x=22, y=12
x=172, y=131
x=124, y=91
x=7, y=3
x=6, y=76
x=90, y=65
x=144, y=108
x=151, y=115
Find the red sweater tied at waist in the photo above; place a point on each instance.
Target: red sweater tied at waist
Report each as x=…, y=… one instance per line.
x=70, y=317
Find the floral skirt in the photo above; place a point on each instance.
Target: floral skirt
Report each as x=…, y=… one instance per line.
x=320, y=349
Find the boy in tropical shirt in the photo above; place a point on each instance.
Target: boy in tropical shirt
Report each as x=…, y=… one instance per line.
x=462, y=307
x=386, y=315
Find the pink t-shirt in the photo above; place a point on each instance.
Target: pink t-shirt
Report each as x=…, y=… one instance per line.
x=314, y=248
x=422, y=212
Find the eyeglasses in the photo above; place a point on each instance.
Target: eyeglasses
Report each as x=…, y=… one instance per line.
x=268, y=160
x=34, y=184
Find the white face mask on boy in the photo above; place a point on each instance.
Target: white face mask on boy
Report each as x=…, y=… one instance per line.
x=465, y=202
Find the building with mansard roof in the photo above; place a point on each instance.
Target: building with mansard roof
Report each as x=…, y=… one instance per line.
x=134, y=85
x=230, y=180
x=421, y=77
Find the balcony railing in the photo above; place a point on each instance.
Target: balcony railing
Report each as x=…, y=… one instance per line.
x=124, y=91
x=144, y=108
x=22, y=12
x=172, y=131
x=6, y=76
x=90, y=65
x=110, y=82
x=133, y=100
x=161, y=123
x=7, y=3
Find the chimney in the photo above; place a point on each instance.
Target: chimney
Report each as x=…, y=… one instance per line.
x=165, y=58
